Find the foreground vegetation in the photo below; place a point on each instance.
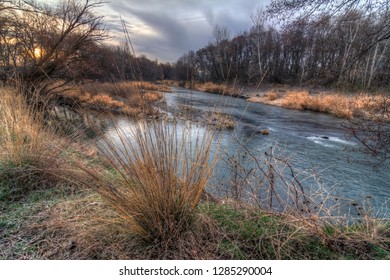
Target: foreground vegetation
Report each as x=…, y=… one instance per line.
x=61, y=198
x=63, y=223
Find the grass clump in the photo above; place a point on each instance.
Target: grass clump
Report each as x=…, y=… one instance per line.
x=160, y=171
x=29, y=151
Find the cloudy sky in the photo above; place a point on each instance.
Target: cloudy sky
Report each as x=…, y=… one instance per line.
x=166, y=29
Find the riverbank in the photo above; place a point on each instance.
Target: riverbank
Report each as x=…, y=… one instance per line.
x=338, y=104
x=222, y=89
x=342, y=105
x=65, y=223
x=56, y=202
x=127, y=98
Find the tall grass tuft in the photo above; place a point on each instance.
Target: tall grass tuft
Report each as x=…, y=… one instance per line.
x=29, y=152
x=158, y=173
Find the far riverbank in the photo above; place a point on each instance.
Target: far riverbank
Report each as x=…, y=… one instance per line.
x=340, y=104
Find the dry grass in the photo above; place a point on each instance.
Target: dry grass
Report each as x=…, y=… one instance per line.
x=271, y=96
x=159, y=172
x=170, y=83
x=219, y=120
x=130, y=98
x=29, y=151
x=153, y=96
x=148, y=86
x=337, y=104
x=210, y=87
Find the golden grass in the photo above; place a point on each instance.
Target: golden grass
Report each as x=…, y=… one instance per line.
x=210, y=87
x=337, y=104
x=271, y=96
x=219, y=120
x=148, y=86
x=22, y=133
x=159, y=174
x=153, y=96
x=130, y=98
x=170, y=83
x=29, y=150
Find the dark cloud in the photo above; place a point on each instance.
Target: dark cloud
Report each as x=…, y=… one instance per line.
x=167, y=29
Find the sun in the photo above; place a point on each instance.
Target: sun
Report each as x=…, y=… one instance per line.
x=38, y=52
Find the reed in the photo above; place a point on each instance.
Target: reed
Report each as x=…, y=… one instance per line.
x=159, y=171
x=29, y=150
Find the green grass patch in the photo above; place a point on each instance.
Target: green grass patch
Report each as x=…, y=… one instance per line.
x=252, y=234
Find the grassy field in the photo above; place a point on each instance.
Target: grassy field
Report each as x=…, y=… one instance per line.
x=144, y=197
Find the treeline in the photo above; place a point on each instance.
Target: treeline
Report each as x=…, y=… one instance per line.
x=41, y=43
x=350, y=49
x=109, y=63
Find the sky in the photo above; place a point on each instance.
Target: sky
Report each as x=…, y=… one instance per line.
x=166, y=29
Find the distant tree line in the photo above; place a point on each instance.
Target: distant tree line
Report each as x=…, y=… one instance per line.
x=108, y=63
x=350, y=48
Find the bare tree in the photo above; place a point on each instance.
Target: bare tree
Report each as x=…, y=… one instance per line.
x=221, y=41
x=311, y=8
x=258, y=34
x=42, y=42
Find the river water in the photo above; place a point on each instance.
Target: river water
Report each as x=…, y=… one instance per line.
x=313, y=141
x=315, y=144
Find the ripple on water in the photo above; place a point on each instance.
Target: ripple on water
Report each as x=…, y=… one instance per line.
x=328, y=141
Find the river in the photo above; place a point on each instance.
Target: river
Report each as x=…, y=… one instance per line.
x=314, y=143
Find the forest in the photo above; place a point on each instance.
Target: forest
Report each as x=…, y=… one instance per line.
x=349, y=49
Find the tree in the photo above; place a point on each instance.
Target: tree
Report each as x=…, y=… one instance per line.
x=293, y=9
x=361, y=30
x=40, y=43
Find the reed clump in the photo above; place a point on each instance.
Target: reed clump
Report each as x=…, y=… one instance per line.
x=30, y=151
x=158, y=173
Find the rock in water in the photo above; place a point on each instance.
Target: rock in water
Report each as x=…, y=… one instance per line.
x=264, y=132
